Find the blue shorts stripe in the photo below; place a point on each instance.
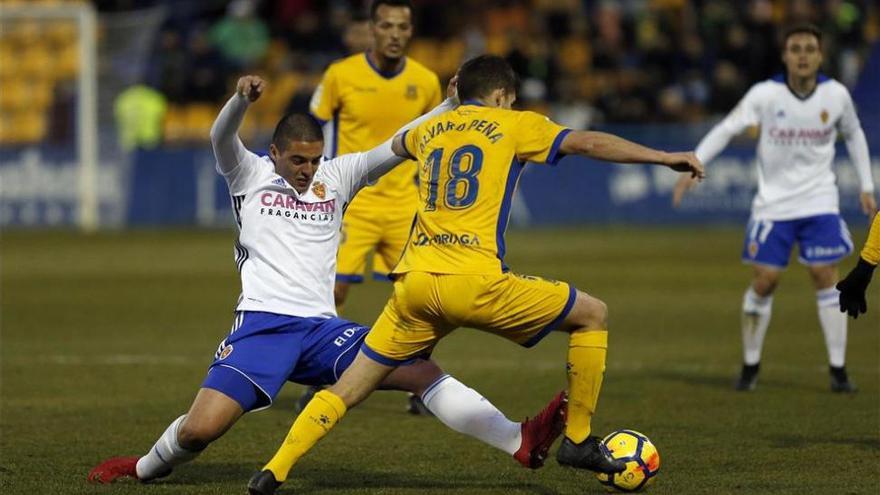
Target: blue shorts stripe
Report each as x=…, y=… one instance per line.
x=553, y=325
x=349, y=278
x=379, y=358
x=235, y=385
x=381, y=277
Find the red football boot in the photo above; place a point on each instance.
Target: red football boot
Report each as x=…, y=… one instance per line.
x=112, y=469
x=539, y=433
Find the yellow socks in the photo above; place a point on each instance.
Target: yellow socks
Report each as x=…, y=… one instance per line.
x=316, y=420
x=586, y=368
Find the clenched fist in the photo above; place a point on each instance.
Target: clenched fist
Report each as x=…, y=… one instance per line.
x=251, y=87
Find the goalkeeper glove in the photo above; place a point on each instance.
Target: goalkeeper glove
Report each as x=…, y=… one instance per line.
x=852, y=289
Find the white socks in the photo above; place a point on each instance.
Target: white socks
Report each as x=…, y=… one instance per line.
x=755, y=320
x=164, y=455
x=833, y=325
x=466, y=411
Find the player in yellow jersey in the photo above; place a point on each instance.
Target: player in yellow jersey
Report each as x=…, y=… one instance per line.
x=367, y=97
x=852, y=288
x=452, y=273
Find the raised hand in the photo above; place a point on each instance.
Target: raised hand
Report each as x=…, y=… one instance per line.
x=251, y=87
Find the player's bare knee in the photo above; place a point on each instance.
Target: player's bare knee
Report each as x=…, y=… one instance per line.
x=765, y=286
x=824, y=276
x=414, y=378
x=196, y=435
x=765, y=280
x=588, y=312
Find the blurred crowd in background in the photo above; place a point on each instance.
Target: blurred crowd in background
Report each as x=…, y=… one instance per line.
x=584, y=62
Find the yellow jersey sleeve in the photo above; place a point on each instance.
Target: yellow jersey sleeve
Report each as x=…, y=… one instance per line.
x=410, y=142
x=538, y=138
x=871, y=251
x=325, y=100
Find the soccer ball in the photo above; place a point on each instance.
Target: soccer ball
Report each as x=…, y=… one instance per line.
x=642, y=461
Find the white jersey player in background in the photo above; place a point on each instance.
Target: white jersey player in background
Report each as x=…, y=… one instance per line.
x=800, y=115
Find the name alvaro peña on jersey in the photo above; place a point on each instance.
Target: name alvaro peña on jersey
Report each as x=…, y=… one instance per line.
x=285, y=205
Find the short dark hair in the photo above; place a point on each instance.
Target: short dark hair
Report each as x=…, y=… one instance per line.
x=296, y=127
x=481, y=75
x=374, y=7
x=803, y=28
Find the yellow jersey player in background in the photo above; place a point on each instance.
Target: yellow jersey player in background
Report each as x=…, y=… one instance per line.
x=367, y=97
x=452, y=273
x=852, y=288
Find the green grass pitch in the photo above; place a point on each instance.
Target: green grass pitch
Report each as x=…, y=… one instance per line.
x=106, y=338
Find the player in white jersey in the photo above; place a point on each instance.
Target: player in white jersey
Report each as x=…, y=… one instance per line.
x=800, y=115
x=288, y=207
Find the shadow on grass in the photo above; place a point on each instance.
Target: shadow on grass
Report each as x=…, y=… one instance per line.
x=199, y=473
x=334, y=478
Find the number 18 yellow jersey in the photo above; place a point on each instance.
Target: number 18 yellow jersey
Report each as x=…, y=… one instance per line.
x=470, y=160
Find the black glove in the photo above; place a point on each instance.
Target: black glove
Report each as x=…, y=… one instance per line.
x=852, y=289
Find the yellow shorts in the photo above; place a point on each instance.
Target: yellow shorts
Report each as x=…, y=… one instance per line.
x=366, y=230
x=425, y=307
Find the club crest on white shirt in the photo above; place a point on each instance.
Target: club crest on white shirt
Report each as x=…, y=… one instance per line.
x=319, y=189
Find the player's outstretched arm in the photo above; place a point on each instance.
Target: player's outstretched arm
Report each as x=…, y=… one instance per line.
x=357, y=170
x=709, y=147
x=608, y=147
x=852, y=288
x=228, y=147
x=392, y=152
x=744, y=115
